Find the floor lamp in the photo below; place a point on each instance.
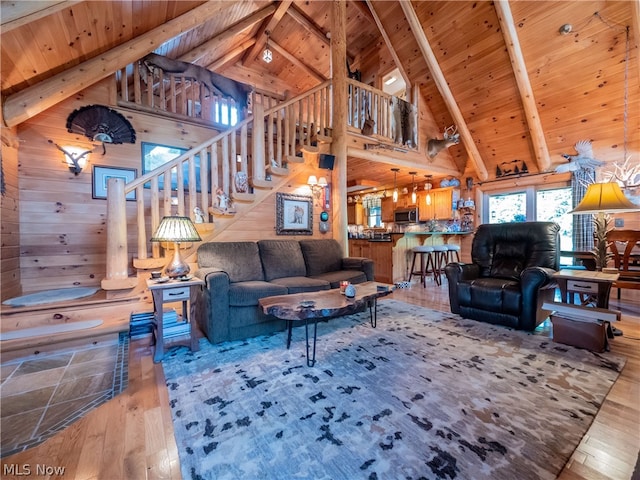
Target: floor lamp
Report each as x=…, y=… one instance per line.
x=176, y=229
x=600, y=200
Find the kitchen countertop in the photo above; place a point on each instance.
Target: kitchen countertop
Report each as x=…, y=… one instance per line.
x=427, y=232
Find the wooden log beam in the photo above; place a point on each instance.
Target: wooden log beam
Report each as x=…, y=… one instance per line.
x=208, y=52
x=298, y=63
x=310, y=26
x=37, y=98
x=266, y=28
x=15, y=14
x=443, y=88
x=231, y=54
x=512, y=42
x=339, y=135
x=387, y=41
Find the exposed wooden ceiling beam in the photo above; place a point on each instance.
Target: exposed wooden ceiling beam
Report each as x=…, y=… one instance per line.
x=512, y=42
x=15, y=14
x=387, y=41
x=208, y=52
x=443, y=88
x=299, y=63
x=310, y=26
x=37, y=98
x=231, y=54
x=366, y=11
x=261, y=35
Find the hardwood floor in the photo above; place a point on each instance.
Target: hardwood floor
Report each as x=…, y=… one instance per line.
x=131, y=436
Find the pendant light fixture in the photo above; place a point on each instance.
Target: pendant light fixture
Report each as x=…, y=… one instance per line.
x=395, y=186
x=414, y=189
x=427, y=187
x=267, y=55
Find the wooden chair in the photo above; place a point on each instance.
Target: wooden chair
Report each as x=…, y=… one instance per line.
x=625, y=247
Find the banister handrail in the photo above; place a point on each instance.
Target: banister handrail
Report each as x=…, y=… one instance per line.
x=293, y=100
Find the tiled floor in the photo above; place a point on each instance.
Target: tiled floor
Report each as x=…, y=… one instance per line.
x=40, y=396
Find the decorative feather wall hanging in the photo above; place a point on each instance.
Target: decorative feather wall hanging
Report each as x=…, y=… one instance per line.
x=101, y=124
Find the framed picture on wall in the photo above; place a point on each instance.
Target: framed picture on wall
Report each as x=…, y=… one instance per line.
x=101, y=176
x=155, y=155
x=294, y=214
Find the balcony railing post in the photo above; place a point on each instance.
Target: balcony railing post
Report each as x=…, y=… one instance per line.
x=117, y=255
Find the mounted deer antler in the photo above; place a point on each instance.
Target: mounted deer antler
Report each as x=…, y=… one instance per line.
x=451, y=137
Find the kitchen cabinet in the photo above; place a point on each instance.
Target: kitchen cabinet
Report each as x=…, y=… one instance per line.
x=441, y=207
x=358, y=248
x=381, y=254
x=355, y=214
x=387, y=207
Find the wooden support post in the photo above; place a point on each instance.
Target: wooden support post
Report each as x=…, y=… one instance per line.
x=258, y=152
x=339, y=136
x=117, y=277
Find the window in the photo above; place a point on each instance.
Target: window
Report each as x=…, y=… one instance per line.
x=544, y=204
x=155, y=155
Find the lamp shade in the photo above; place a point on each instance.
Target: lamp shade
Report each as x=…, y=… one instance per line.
x=176, y=229
x=604, y=198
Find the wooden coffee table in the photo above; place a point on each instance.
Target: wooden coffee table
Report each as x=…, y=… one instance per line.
x=325, y=304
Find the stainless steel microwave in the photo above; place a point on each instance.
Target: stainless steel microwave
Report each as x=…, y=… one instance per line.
x=408, y=215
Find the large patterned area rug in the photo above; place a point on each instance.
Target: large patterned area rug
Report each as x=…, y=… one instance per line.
x=424, y=395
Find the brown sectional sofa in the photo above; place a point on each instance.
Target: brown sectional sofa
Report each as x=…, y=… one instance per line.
x=238, y=274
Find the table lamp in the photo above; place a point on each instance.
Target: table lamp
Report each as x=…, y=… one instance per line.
x=176, y=229
x=600, y=199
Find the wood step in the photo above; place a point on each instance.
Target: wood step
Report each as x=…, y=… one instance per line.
x=261, y=183
x=278, y=171
x=295, y=159
x=244, y=197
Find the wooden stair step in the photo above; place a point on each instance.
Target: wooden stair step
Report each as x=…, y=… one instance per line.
x=295, y=159
x=244, y=197
x=261, y=183
x=279, y=171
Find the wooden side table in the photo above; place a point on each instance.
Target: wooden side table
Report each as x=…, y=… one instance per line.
x=593, y=284
x=169, y=292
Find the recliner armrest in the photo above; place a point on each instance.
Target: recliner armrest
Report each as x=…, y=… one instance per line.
x=359, y=263
x=457, y=272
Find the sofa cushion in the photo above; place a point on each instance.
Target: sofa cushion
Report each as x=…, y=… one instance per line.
x=302, y=284
x=243, y=294
x=239, y=260
x=334, y=278
x=321, y=256
x=508, y=260
x=281, y=258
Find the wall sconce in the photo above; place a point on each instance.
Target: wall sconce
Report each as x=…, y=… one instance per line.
x=267, y=55
x=76, y=158
x=316, y=185
x=395, y=186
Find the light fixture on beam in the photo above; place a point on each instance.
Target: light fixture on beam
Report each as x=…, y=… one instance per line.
x=267, y=55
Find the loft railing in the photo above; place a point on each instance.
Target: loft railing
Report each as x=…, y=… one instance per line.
x=250, y=148
x=394, y=120
x=179, y=96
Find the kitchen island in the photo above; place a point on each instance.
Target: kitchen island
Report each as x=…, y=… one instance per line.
x=392, y=256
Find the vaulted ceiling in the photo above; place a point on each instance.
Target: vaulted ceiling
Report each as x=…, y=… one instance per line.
x=517, y=88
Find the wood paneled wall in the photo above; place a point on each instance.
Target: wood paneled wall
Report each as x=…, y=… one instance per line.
x=9, y=210
x=63, y=229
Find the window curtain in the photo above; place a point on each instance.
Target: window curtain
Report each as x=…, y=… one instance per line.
x=582, y=224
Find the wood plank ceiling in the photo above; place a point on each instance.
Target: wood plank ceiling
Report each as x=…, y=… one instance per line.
x=577, y=80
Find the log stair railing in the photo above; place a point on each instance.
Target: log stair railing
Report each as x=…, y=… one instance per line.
x=251, y=149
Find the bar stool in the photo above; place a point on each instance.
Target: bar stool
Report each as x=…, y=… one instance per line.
x=422, y=251
x=453, y=253
x=441, y=255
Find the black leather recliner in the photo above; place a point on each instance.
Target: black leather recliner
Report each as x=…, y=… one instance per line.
x=510, y=276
